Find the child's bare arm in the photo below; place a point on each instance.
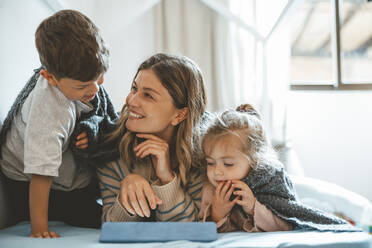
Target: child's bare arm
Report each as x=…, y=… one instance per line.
x=39, y=198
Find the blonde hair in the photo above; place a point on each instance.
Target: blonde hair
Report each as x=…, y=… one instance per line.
x=184, y=82
x=244, y=123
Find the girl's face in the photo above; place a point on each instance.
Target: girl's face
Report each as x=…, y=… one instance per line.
x=226, y=161
x=150, y=106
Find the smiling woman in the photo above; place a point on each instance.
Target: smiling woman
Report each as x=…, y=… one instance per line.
x=158, y=131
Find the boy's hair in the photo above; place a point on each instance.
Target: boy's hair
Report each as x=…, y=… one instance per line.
x=184, y=82
x=244, y=123
x=70, y=46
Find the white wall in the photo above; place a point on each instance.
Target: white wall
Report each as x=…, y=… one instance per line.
x=332, y=134
x=18, y=56
x=129, y=46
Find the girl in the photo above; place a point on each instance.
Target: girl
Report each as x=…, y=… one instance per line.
x=158, y=131
x=248, y=188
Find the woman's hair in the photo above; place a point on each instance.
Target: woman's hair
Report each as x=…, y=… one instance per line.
x=244, y=123
x=184, y=82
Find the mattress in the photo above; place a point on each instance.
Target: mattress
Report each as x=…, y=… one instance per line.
x=71, y=237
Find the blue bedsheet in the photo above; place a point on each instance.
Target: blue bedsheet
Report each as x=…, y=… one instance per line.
x=17, y=236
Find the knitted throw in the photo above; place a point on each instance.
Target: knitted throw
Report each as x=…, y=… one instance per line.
x=273, y=188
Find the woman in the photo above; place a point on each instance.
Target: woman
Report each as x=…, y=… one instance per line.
x=158, y=130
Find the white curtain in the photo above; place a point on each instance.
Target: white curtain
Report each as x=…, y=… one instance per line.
x=190, y=28
x=223, y=37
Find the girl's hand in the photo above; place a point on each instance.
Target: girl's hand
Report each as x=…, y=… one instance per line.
x=136, y=195
x=159, y=151
x=221, y=204
x=247, y=199
x=82, y=141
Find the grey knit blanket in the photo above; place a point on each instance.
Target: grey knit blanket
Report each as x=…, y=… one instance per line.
x=97, y=123
x=273, y=188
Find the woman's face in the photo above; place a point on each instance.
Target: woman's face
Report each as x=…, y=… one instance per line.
x=150, y=106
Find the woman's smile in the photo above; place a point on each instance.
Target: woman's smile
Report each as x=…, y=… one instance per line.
x=135, y=116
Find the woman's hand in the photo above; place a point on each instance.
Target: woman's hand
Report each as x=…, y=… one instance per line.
x=82, y=141
x=159, y=151
x=136, y=195
x=247, y=199
x=221, y=204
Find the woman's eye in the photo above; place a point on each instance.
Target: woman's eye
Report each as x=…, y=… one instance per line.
x=148, y=96
x=228, y=165
x=133, y=88
x=210, y=164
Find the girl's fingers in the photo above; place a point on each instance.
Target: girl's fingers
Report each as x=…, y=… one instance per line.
x=219, y=187
x=238, y=184
x=240, y=193
x=240, y=202
x=229, y=192
x=225, y=188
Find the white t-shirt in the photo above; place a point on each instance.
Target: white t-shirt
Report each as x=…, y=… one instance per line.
x=38, y=140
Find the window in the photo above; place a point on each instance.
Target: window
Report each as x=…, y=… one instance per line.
x=331, y=45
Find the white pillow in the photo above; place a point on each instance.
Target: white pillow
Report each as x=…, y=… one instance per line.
x=333, y=198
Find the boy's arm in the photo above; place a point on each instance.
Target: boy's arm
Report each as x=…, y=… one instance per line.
x=39, y=199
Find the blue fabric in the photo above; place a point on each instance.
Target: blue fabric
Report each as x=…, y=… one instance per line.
x=73, y=237
x=140, y=232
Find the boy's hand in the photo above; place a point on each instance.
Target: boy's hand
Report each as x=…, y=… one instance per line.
x=39, y=198
x=221, y=204
x=246, y=197
x=82, y=141
x=47, y=234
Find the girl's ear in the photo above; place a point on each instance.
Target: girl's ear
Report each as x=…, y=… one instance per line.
x=49, y=77
x=181, y=115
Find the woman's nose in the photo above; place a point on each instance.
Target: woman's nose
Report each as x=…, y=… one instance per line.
x=132, y=99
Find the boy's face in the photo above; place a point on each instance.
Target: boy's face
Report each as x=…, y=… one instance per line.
x=75, y=89
x=225, y=160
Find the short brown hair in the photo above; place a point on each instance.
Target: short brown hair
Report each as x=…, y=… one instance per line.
x=70, y=46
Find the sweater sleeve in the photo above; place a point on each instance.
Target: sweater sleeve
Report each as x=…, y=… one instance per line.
x=179, y=204
x=109, y=182
x=266, y=220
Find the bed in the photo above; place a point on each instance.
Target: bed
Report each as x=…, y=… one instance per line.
x=310, y=190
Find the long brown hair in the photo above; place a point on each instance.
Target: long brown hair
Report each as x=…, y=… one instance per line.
x=184, y=82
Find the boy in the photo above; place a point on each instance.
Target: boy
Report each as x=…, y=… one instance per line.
x=36, y=158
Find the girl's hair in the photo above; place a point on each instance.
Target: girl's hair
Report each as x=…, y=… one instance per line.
x=244, y=123
x=184, y=82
